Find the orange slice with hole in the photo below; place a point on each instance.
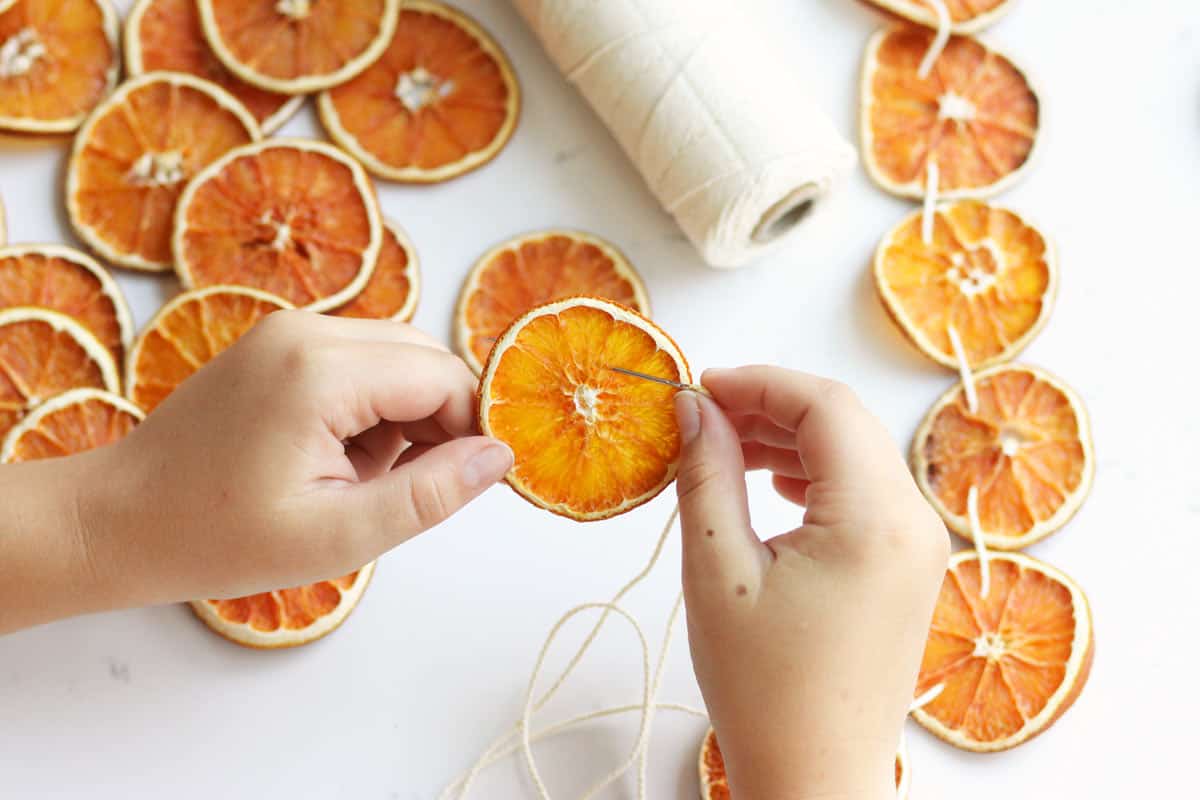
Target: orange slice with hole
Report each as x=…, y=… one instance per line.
x=589, y=442
x=286, y=617
x=293, y=217
x=975, y=116
x=298, y=46
x=714, y=782
x=533, y=269
x=187, y=333
x=1027, y=449
x=134, y=155
x=44, y=353
x=1008, y=664
x=70, y=423
x=966, y=16
x=65, y=280
x=58, y=59
x=986, y=272
x=394, y=286
x=442, y=100
x=165, y=35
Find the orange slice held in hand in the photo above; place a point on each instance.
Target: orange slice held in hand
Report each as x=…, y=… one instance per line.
x=589, y=442
x=298, y=46
x=966, y=16
x=187, y=333
x=65, y=280
x=134, y=155
x=533, y=269
x=166, y=35
x=986, y=272
x=394, y=286
x=70, y=423
x=1027, y=449
x=975, y=116
x=295, y=218
x=1009, y=664
x=441, y=100
x=58, y=58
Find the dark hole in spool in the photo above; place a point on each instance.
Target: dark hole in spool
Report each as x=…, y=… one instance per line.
x=786, y=214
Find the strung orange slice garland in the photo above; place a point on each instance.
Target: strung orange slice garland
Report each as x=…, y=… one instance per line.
x=395, y=284
x=442, y=99
x=72, y=422
x=966, y=16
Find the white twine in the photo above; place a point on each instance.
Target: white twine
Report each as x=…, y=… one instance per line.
x=939, y=39
x=977, y=536
x=694, y=94
x=929, y=202
x=926, y=697
x=964, y=368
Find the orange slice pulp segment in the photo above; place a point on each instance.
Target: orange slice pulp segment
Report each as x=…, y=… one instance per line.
x=394, y=286
x=72, y=422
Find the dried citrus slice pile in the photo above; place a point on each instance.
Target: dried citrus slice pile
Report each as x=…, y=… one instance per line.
x=65, y=280
x=187, y=333
x=1027, y=449
x=58, y=58
x=536, y=268
x=440, y=101
x=297, y=46
x=286, y=617
x=394, y=286
x=44, y=353
x=986, y=271
x=69, y=423
x=589, y=442
x=966, y=16
x=975, y=116
x=166, y=35
x=1009, y=664
x=295, y=218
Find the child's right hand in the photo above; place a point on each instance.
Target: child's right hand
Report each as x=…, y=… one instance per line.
x=807, y=646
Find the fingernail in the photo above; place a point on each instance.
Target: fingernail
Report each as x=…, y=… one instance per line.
x=488, y=465
x=687, y=415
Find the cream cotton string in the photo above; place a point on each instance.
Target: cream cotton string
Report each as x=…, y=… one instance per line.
x=939, y=39
x=977, y=533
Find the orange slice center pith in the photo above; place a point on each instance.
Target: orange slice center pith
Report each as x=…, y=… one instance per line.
x=72, y=423
x=391, y=292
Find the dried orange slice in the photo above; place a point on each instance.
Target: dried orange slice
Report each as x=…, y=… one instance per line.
x=134, y=155
x=529, y=270
x=589, y=442
x=166, y=35
x=44, y=353
x=58, y=58
x=986, y=272
x=966, y=16
x=976, y=116
x=714, y=783
x=70, y=423
x=441, y=100
x=295, y=218
x=187, y=333
x=298, y=46
x=65, y=280
x=1027, y=449
x=395, y=285
x=286, y=617
x=1010, y=663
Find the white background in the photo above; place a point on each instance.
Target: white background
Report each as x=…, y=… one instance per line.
x=148, y=703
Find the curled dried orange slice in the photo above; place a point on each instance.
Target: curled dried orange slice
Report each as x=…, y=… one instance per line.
x=975, y=116
x=441, y=100
x=65, y=280
x=589, y=442
x=187, y=333
x=58, y=58
x=44, y=353
x=70, y=423
x=286, y=617
x=395, y=285
x=986, y=272
x=165, y=35
x=1027, y=450
x=298, y=46
x=529, y=270
x=966, y=16
x=295, y=218
x=1008, y=664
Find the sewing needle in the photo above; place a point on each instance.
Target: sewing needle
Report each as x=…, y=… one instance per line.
x=691, y=387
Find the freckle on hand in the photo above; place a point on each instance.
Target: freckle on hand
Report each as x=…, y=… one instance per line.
x=741, y=590
x=709, y=533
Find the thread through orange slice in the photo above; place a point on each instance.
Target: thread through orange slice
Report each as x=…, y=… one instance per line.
x=589, y=443
x=441, y=100
x=986, y=271
x=533, y=269
x=966, y=16
x=70, y=423
x=394, y=286
x=975, y=116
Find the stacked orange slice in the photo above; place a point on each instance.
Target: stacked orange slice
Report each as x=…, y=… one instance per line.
x=966, y=16
x=395, y=284
x=70, y=423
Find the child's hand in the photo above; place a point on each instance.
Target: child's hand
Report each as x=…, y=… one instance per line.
x=806, y=647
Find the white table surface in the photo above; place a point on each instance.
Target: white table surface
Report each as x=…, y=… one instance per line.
x=148, y=703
